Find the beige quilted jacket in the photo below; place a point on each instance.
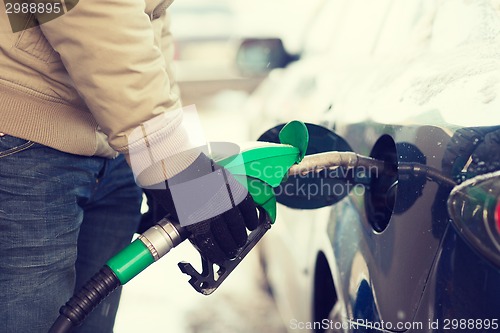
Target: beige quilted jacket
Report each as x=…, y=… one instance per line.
x=81, y=83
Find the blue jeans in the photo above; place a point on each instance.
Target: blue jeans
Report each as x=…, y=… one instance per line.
x=62, y=216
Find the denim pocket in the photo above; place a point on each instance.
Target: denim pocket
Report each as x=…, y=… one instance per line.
x=10, y=145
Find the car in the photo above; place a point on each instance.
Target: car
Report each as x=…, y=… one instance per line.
x=206, y=34
x=414, y=84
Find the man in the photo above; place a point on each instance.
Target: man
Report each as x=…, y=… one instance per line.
x=82, y=97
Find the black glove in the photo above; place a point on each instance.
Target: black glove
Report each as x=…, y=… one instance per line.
x=212, y=205
x=486, y=157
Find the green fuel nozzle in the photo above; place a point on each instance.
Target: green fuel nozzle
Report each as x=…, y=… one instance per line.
x=264, y=167
x=259, y=169
x=252, y=168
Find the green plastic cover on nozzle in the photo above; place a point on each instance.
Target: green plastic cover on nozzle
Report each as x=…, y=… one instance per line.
x=262, y=168
x=259, y=169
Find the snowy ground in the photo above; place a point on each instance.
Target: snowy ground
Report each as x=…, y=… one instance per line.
x=161, y=300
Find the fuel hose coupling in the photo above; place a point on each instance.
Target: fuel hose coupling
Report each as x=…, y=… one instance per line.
x=161, y=238
x=149, y=247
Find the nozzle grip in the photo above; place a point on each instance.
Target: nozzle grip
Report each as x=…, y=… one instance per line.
x=209, y=280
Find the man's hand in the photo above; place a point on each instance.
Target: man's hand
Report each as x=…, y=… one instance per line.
x=212, y=205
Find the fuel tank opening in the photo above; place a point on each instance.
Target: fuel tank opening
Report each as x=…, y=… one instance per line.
x=380, y=196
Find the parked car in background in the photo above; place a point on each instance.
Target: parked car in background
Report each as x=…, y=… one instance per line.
x=205, y=43
x=207, y=33
x=412, y=83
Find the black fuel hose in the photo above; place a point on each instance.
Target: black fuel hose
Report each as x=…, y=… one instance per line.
x=85, y=300
x=430, y=173
x=150, y=246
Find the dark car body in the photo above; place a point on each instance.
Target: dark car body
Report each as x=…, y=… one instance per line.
x=417, y=270
x=388, y=257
